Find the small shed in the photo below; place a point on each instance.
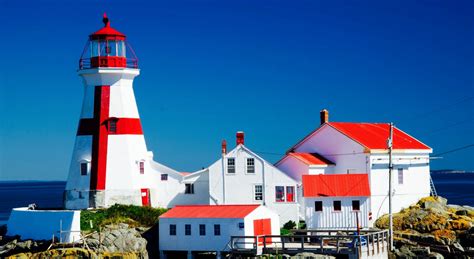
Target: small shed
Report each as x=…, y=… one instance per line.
x=337, y=201
x=208, y=228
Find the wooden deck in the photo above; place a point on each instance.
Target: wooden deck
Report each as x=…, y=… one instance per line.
x=367, y=244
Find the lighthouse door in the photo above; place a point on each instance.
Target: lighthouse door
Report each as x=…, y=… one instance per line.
x=145, y=197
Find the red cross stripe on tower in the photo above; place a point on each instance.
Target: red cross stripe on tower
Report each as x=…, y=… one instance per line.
x=100, y=127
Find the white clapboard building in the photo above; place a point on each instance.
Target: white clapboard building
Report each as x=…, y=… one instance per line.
x=209, y=228
x=336, y=201
x=355, y=148
x=242, y=177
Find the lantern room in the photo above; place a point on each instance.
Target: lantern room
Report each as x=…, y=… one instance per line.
x=107, y=47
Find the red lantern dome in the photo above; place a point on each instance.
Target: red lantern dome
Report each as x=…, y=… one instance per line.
x=107, y=47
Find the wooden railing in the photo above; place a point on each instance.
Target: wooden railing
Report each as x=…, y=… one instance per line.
x=317, y=241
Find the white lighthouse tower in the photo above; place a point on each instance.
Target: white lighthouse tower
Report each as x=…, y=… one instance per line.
x=110, y=162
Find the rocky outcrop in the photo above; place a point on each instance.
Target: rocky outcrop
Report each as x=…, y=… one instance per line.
x=118, y=238
x=434, y=225
x=113, y=241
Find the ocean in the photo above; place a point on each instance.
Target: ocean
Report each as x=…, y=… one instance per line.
x=458, y=188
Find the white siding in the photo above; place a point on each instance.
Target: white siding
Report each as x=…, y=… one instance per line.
x=330, y=219
x=43, y=224
x=239, y=187
x=416, y=181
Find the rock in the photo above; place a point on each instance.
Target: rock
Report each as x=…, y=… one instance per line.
x=119, y=239
x=434, y=255
x=457, y=247
x=462, y=212
x=433, y=203
x=404, y=252
x=311, y=256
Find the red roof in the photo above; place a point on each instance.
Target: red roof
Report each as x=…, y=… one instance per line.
x=375, y=135
x=210, y=211
x=336, y=185
x=311, y=158
x=107, y=32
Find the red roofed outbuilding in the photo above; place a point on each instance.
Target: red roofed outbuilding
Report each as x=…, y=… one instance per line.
x=208, y=228
x=338, y=201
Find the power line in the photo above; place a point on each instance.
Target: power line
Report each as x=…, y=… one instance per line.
x=441, y=108
x=454, y=150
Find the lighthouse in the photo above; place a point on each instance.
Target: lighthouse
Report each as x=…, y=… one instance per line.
x=110, y=162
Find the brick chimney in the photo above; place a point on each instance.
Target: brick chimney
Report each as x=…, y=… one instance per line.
x=224, y=147
x=240, y=137
x=324, y=116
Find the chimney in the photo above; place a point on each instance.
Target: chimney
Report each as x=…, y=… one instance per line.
x=240, y=137
x=324, y=116
x=224, y=147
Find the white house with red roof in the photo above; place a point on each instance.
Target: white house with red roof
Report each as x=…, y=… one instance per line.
x=336, y=201
x=355, y=148
x=242, y=177
x=208, y=228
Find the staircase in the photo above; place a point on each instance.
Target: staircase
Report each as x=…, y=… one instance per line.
x=432, y=188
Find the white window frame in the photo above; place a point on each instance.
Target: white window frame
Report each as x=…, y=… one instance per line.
x=255, y=192
x=247, y=166
x=228, y=166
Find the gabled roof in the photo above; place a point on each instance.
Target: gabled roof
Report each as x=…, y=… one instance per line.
x=371, y=135
x=311, y=158
x=375, y=135
x=336, y=185
x=210, y=211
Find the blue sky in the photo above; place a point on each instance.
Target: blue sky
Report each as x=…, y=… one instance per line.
x=210, y=68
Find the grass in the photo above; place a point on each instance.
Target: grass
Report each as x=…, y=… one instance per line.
x=135, y=216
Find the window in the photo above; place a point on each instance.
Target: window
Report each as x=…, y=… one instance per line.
x=113, y=126
x=231, y=165
x=355, y=205
x=258, y=192
x=337, y=205
x=164, y=177
x=318, y=206
x=189, y=188
x=250, y=166
x=187, y=229
x=172, y=230
x=290, y=193
x=400, y=175
x=241, y=225
x=84, y=168
x=217, y=230
x=202, y=229
x=141, y=165
x=279, y=193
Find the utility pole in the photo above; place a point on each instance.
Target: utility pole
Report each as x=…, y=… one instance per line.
x=390, y=167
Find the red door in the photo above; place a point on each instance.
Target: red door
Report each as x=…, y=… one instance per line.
x=145, y=197
x=262, y=227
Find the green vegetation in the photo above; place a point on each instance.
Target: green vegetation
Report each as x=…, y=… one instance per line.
x=135, y=216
